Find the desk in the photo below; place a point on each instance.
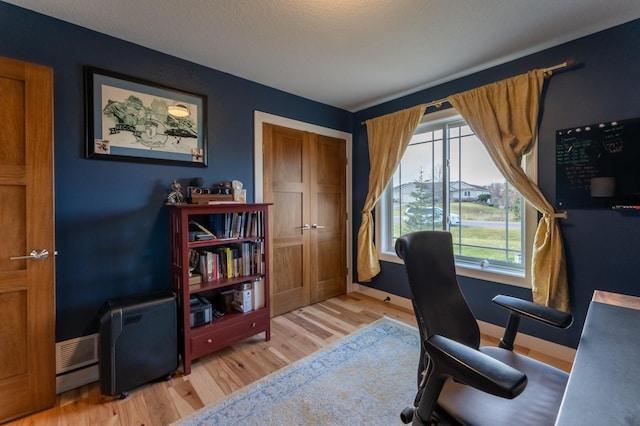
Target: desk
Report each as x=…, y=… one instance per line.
x=604, y=384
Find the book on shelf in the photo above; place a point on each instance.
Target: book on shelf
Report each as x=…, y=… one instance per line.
x=243, y=224
x=200, y=232
x=235, y=231
x=216, y=266
x=236, y=256
x=246, y=258
x=227, y=225
x=260, y=264
x=206, y=265
x=224, y=254
x=254, y=226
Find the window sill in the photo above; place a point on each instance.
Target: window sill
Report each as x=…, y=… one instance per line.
x=502, y=276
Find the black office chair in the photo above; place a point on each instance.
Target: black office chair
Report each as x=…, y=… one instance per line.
x=460, y=383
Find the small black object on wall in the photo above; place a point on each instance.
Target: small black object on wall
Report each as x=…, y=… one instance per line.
x=598, y=165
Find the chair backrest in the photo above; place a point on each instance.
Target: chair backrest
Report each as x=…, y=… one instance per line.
x=439, y=304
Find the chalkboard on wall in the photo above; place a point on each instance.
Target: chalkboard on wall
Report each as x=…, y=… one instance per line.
x=598, y=166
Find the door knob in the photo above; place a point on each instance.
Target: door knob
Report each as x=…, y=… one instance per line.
x=304, y=227
x=37, y=254
x=314, y=226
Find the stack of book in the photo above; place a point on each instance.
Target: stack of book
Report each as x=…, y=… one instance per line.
x=234, y=260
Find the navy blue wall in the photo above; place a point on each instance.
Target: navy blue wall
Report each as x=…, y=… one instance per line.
x=111, y=227
x=602, y=246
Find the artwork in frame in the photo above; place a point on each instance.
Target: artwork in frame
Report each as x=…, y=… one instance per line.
x=135, y=120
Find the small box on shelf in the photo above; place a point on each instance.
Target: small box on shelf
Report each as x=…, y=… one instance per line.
x=195, y=279
x=206, y=198
x=243, y=298
x=240, y=195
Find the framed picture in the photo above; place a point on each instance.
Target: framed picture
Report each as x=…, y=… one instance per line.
x=134, y=120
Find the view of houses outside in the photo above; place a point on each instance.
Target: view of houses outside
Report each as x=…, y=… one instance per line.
x=459, y=191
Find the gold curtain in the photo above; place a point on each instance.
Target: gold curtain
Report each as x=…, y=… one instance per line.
x=504, y=116
x=388, y=137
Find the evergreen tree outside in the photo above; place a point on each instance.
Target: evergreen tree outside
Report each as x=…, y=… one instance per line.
x=484, y=198
x=517, y=207
x=420, y=213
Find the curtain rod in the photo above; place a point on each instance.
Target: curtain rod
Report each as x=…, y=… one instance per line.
x=547, y=71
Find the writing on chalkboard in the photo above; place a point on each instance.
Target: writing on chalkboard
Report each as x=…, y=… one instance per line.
x=598, y=165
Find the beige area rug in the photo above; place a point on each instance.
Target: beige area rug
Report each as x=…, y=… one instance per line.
x=367, y=378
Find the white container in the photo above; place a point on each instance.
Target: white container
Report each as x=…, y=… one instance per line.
x=258, y=294
x=243, y=298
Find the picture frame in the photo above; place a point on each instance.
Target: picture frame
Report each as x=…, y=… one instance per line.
x=130, y=119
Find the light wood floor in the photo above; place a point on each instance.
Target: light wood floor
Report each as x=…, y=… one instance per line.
x=293, y=336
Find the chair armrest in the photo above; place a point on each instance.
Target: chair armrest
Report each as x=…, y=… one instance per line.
x=520, y=307
x=541, y=313
x=474, y=368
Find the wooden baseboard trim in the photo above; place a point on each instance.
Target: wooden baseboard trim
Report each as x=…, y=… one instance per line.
x=402, y=302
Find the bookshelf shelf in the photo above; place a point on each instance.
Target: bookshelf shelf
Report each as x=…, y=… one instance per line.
x=235, y=262
x=221, y=283
x=219, y=242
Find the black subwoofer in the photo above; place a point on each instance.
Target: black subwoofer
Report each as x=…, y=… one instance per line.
x=138, y=341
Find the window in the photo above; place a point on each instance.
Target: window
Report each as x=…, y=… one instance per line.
x=446, y=180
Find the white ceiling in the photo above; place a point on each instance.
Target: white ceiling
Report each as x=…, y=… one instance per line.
x=347, y=53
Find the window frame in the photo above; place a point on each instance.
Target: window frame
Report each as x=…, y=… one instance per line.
x=504, y=275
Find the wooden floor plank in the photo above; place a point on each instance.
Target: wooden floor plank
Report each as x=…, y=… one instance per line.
x=332, y=324
x=225, y=372
x=347, y=316
x=173, y=401
x=286, y=340
x=257, y=360
x=205, y=386
x=310, y=328
x=133, y=410
x=298, y=335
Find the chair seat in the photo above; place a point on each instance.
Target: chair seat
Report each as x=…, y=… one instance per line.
x=537, y=405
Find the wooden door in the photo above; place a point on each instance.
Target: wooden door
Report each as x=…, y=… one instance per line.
x=304, y=178
x=27, y=327
x=328, y=218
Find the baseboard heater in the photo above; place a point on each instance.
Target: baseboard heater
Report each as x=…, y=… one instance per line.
x=76, y=362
